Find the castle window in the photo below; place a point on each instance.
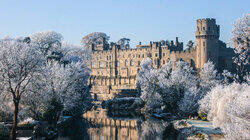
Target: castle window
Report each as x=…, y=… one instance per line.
x=131, y=63
x=204, y=28
x=139, y=63
x=156, y=55
x=142, y=55
x=163, y=54
x=163, y=62
x=92, y=64
x=107, y=64
x=110, y=64
x=204, y=43
x=139, y=56
x=126, y=63
x=100, y=64
x=107, y=57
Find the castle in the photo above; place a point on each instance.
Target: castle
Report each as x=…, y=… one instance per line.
x=114, y=69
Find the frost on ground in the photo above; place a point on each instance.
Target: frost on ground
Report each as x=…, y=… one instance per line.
x=195, y=129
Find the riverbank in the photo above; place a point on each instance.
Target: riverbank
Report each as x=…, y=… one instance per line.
x=197, y=129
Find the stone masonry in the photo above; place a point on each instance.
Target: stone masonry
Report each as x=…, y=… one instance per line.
x=114, y=70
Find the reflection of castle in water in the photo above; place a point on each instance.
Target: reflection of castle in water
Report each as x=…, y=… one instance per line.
x=109, y=128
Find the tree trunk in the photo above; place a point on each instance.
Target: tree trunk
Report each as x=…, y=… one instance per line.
x=13, y=131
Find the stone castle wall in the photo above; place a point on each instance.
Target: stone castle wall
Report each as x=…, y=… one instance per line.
x=115, y=70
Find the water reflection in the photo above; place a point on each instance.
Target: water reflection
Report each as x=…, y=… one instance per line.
x=105, y=127
x=100, y=124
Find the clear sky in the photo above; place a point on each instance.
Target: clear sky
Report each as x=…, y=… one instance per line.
x=139, y=20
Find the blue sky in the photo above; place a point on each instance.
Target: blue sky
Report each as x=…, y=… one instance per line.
x=139, y=20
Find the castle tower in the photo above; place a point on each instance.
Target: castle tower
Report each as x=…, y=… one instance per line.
x=207, y=36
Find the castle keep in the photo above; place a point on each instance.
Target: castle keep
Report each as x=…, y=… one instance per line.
x=114, y=70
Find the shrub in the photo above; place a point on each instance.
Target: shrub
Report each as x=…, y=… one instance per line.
x=229, y=109
x=53, y=110
x=4, y=132
x=203, y=115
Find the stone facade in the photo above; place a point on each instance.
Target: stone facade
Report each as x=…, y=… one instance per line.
x=114, y=70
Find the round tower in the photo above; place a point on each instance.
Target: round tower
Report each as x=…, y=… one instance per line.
x=207, y=36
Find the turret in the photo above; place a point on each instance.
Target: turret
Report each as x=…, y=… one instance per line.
x=207, y=35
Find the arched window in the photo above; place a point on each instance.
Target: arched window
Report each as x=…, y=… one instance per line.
x=139, y=63
x=163, y=62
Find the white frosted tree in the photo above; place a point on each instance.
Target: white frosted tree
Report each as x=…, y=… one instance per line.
x=19, y=63
x=241, y=34
x=174, y=86
x=63, y=79
x=95, y=38
x=190, y=44
x=208, y=77
x=229, y=109
x=65, y=83
x=124, y=43
x=148, y=82
x=47, y=41
x=178, y=84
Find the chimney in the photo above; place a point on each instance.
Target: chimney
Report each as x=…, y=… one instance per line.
x=176, y=41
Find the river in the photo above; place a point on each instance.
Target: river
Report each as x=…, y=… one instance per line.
x=100, y=124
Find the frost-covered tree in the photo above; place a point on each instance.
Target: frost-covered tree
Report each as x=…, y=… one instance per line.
x=190, y=44
x=148, y=83
x=19, y=63
x=63, y=79
x=48, y=41
x=66, y=84
x=241, y=34
x=229, y=109
x=208, y=77
x=227, y=77
x=178, y=84
x=173, y=86
x=124, y=43
x=95, y=38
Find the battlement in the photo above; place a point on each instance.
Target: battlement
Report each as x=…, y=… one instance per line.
x=207, y=28
x=206, y=20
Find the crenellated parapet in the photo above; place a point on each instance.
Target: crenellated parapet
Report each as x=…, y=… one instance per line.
x=207, y=28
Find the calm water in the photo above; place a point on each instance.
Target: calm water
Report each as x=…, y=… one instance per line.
x=100, y=124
